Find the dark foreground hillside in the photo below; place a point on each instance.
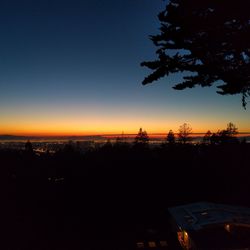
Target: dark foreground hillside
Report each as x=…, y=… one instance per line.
x=107, y=198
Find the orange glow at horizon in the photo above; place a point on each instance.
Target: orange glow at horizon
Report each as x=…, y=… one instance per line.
x=63, y=128
x=54, y=121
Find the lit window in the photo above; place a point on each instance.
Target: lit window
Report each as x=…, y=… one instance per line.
x=163, y=243
x=227, y=227
x=140, y=245
x=180, y=237
x=186, y=240
x=151, y=244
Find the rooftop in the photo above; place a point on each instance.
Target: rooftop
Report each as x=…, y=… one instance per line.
x=197, y=216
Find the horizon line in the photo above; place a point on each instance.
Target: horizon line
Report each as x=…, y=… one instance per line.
x=106, y=134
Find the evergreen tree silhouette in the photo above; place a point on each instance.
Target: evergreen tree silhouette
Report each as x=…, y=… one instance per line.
x=208, y=38
x=142, y=137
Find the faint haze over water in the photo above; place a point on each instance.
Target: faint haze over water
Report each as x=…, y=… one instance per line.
x=155, y=137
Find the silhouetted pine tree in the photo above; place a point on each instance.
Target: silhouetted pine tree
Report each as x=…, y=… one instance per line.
x=208, y=38
x=142, y=137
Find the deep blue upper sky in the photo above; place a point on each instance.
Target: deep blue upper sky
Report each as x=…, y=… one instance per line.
x=74, y=66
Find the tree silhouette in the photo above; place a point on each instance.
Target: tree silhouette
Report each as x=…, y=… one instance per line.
x=231, y=129
x=215, y=138
x=170, y=137
x=184, y=132
x=228, y=135
x=208, y=38
x=207, y=137
x=28, y=147
x=142, y=137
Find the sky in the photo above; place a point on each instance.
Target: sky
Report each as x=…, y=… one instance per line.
x=72, y=67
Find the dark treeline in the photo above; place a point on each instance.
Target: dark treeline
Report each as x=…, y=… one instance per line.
x=63, y=200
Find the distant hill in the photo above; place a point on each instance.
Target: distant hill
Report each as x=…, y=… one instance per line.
x=13, y=137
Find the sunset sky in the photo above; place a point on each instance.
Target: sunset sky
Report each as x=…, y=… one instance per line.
x=72, y=67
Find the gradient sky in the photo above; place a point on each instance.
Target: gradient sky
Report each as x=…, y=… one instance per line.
x=73, y=67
